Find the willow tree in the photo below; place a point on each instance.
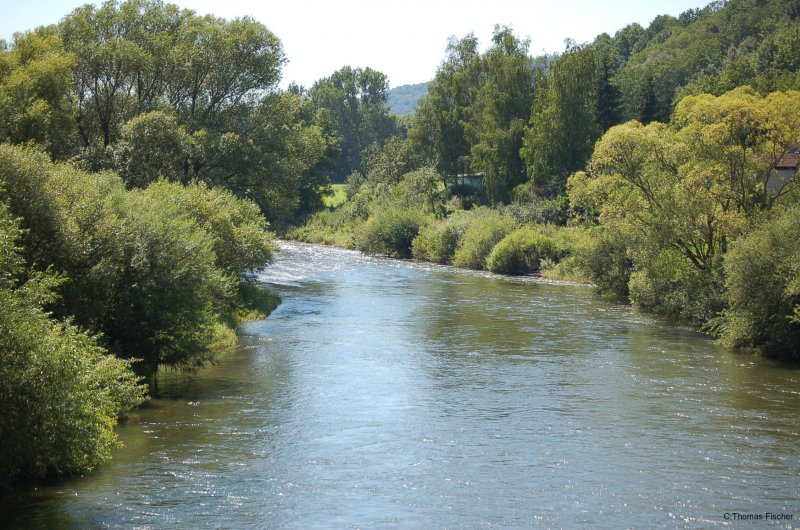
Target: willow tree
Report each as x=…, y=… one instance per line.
x=36, y=100
x=678, y=195
x=135, y=56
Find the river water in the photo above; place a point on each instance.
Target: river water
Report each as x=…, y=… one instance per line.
x=385, y=394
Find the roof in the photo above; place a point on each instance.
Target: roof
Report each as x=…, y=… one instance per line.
x=789, y=161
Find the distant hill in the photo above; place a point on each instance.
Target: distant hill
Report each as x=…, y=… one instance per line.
x=403, y=99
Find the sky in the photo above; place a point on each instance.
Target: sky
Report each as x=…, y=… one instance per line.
x=403, y=39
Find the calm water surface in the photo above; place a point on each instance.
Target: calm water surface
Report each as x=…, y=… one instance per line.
x=387, y=394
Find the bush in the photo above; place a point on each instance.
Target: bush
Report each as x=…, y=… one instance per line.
x=486, y=228
x=467, y=196
x=165, y=304
x=669, y=285
x=437, y=242
x=762, y=280
x=530, y=207
x=605, y=260
x=521, y=252
x=155, y=271
x=353, y=184
x=391, y=232
x=418, y=190
x=61, y=392
x=153, y=145
x=241, y=235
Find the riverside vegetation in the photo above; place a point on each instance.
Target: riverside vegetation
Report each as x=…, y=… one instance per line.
x=148, y=152
x=643, y=163
x=138, y=178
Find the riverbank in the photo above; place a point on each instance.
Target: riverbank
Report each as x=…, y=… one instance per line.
x=389, y=393
x=496, y=240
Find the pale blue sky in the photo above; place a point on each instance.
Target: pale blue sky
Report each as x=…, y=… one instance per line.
x=405, y=39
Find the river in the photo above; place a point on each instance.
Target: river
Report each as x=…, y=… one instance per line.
x=385, y=394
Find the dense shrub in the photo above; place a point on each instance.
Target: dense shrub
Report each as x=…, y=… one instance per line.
x=466, y=195
x=521, y=252
x=667, y=284
x=530, y=207
x=437, y=242
x=61, y=392
x=486, y=228
x=419, y=190
x=153, y=145
x=166, y=303
x=155, y=271
x=241, y=237
x=762, y=278
x=391, y=232
x=606, y=261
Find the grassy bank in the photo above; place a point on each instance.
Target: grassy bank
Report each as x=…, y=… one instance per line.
x=417, y=218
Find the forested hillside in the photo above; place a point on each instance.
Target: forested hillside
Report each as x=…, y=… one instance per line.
x=403, y=99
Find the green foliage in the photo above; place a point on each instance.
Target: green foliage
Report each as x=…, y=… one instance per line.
x=676, y=197
x=153, y=270
x=153, y=91
x=338, y=195
x=605, y=258
x=564, y=120
x=762, y=280
x=571, y=244
x=438, y=131
x=353, y=184
x=667, y=284
x=152, y=145
x=391, y=232
x=486, y=228
x=355, y=100
x=438, y=241
x=131, y=56
x=499, y=113
x=521, y=252
x=36, y=102
x=61, y=392
x=241, y=238
x=256, y=301
x=387, y=164
x=530, y=207
x=271, y=156
x=419, y=189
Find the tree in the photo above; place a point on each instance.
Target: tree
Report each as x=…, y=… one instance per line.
x=501, y=108
x=137, y=55
x=269, y=157
x=564, y=120
x=679, y=195
x=387, y=165
x=155, y=271
x=355, y=100
x=36, y=102
x=438, y=129
x=648, y=102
